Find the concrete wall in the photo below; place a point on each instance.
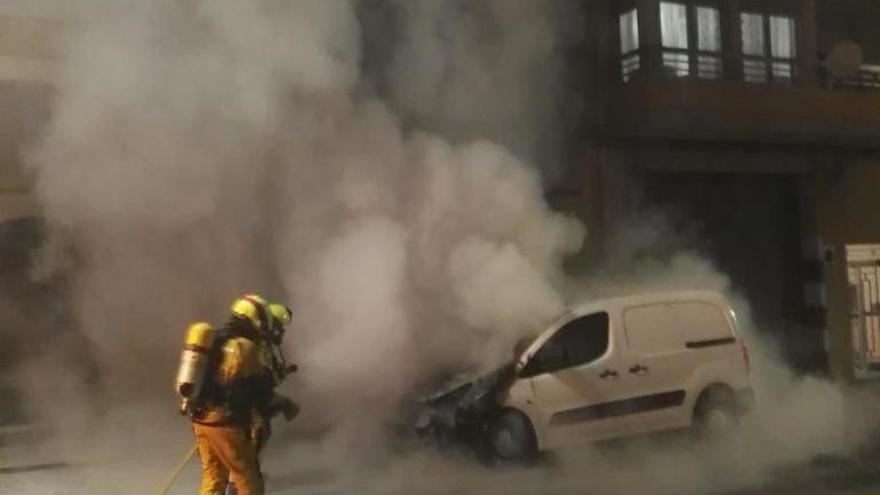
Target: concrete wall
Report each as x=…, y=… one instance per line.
x=742, y=113
x=848, y=202
x=854, y=20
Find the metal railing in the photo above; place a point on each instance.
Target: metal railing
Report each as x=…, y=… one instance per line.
x=676, y=64
x=684, y=64
x=680, y=63
x=710, y=66
x=630, y=65
x=759, y=69
x=867, y=79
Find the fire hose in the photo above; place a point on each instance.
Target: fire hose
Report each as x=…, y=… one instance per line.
x=174, y=474
x=288, y=409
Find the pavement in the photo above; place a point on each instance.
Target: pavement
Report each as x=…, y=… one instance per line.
x=29, y=465
x=60, y=478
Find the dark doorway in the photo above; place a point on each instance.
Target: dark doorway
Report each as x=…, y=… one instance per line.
x=749, y=226
x=36, y=319
x=19, y=238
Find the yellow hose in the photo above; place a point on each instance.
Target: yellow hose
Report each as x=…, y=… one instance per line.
x=176, y=473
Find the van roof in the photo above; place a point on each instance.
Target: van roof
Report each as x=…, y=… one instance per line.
x=650, y=298
x=612, y=304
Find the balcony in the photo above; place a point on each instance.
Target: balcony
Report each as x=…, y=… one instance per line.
x=736, y=72
x=728, y=111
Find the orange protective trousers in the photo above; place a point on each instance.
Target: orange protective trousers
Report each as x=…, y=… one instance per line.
x=227, y=453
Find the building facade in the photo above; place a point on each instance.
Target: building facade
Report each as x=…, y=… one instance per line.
x=755, y=126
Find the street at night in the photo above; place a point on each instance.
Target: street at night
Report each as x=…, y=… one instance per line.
x=386, y=247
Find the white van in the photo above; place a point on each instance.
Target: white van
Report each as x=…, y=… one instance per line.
x=623, y=366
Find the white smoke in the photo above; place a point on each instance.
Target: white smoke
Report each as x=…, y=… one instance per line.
x=490, y=69
x=203, y=149
x=200, y=150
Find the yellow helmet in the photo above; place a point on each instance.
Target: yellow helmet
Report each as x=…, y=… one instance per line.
x=252, y=308
x=281, y=313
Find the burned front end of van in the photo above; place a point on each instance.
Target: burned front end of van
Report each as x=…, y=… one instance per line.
x=461, y=414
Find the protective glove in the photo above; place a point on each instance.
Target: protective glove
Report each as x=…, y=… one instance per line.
x=285, y=406
x=290, y=409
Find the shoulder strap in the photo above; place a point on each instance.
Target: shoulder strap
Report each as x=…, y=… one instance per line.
x=223, y=335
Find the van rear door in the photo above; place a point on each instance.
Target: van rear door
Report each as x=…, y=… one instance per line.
x=666, y=343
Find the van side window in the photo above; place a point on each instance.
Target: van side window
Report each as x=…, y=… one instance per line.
x=579, y=342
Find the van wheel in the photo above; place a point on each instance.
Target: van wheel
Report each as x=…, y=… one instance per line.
x=512, y=438
x=715, y=416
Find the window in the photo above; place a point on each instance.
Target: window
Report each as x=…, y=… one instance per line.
x=691, y=39
x=782, y=46
x=753, y=34
x=769, y=47
x=709, y=65
x=629, y=44
x=674, y=35
x=709, y=29
x=578, y=342
x=673, y=25
x=754, y=48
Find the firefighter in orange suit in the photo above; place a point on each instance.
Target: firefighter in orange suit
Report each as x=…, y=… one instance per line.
x=239, y=400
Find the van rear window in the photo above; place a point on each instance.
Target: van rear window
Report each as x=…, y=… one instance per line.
x=669, y=327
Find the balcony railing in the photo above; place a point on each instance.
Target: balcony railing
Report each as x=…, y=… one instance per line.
x=630, y=65
x=867, y=78
x=687, y=64
x=678, y=63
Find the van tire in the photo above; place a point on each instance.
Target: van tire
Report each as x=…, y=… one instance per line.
x=715, y=414
x=512, y=438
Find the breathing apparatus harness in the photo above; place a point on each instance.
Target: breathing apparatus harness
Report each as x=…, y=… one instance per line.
x=226, y=397
x=234, y=399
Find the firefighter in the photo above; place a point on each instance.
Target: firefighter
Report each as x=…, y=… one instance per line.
x=280, y=317
x=238, y=400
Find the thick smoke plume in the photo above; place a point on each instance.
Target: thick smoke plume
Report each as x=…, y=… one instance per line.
x=199, y=150
x=378, y=165
x=490, y=69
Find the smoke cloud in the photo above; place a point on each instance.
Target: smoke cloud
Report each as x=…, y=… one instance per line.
x=200, y=150
x=378, y=166
x=486, y=70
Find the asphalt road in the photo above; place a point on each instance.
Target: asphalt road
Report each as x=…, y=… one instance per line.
x=818, y=477
x=30, y=467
